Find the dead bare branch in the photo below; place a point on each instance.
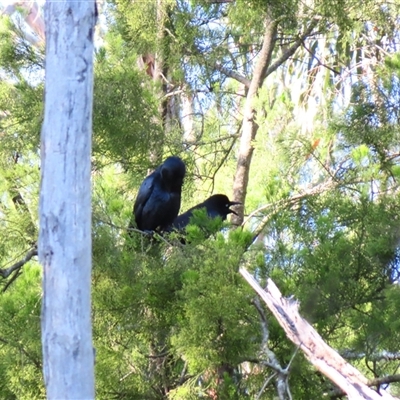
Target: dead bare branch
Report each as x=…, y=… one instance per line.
x=303, y=335
x=280, y=374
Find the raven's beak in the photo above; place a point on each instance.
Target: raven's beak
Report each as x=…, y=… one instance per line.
x=234, y=203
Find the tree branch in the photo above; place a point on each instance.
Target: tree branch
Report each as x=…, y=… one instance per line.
x=292, y=49
x=379, y=356
x=17, y=273
x=321, y=188
x=36, y=362
x=319, y=61
x=250, y=126
x=233, y=74
x=281, y=374
x=303, y=335
x=5, y=272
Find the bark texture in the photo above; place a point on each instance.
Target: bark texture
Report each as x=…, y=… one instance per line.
x=65, y=201
x=249, y=126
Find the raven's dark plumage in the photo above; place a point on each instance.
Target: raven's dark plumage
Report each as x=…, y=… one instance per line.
x=159, y=197
x=216, y=205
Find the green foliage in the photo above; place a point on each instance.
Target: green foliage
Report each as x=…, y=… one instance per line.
x=17, y=56
x=20, y=349
x=209, y=333
x=178, y=321
x=21, y=107
x=137, y=24
x=166, y=305
x=123, y=110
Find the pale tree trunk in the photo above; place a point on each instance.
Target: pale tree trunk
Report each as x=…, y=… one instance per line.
x=65, y=201
x=249, y=126
x=189, y=134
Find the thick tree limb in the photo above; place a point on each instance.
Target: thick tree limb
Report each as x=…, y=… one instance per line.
x=6, y=272
x=303, y=335
x=262, y=69
x=250, y=127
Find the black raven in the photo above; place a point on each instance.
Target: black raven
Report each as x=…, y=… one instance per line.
x=216, y=205
x=159, y=197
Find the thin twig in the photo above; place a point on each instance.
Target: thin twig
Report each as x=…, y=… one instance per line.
x=319, y=61
x=329, y=184
x=143, y=233
x=293, y=356
x=292, y=49
x=36, y=362
x=224, y=158
x=265, y=385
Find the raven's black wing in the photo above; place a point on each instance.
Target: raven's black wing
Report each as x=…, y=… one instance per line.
x=145, y=191
x=181, y=221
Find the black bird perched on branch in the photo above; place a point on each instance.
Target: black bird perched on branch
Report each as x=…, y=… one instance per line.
x=159, y=197
x=216, y=205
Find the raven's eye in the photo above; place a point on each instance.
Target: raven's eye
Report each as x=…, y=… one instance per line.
x=227, y=205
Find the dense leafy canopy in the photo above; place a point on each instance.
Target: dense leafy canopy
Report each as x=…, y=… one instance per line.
x=177, y=321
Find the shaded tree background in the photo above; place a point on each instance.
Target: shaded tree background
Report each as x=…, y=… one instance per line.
x=312, y=132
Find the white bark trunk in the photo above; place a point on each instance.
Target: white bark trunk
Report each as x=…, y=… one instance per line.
x=65, y=201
